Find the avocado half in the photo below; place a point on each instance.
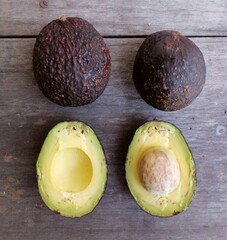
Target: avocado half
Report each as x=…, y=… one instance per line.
x=169, y=70
x=160, y=170
x=71, y=169
x=71, y=62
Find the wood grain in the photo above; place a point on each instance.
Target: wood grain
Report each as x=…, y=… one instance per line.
x=26, y=117
x=117, y=17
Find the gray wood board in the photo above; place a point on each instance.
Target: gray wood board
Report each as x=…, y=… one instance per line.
x=113, y=18
x=26, y=117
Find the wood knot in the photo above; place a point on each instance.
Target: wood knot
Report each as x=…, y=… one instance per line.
x=43, y=4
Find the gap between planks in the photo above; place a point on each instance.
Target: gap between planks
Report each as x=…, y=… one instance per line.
x=117, y=36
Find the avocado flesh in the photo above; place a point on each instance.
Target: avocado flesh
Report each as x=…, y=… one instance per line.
x=164, y=135
x=71, y=169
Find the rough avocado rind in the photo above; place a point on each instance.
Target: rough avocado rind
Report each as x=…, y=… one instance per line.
x=161, y=134
x=71, y=62
x=169, y=70
x=71, y=169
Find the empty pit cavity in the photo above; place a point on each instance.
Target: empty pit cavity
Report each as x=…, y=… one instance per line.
x=71, y=170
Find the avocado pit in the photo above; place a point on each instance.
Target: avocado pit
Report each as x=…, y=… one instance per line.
x=159, y=171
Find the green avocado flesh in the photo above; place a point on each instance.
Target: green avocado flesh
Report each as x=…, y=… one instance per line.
x=160, y=169
x=71, y=169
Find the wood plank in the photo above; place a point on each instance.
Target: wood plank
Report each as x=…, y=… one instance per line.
x=117, y=17
x=26, y=117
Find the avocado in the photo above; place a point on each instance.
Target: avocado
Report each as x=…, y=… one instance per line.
x=71, y=169
x=160, y=170
x=169, y=71
x=71, y=62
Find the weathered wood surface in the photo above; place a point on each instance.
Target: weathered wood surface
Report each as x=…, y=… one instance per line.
x=112, y=18
x=26, y=117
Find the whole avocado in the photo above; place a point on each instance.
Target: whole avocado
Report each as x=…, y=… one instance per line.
x=71, y=62
x=169, y=70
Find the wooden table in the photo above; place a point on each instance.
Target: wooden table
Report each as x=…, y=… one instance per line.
x=26, y=116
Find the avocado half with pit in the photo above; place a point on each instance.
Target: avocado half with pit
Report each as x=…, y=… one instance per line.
x=160, y=169
x=169, y=71
x=71, y=169
x=71, y=62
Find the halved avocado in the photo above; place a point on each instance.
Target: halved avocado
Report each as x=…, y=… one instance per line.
x=71, y=169
x=160, y=169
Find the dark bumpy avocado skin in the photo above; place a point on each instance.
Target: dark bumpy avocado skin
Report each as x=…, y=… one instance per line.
x=169, y=71
x=71, y=62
